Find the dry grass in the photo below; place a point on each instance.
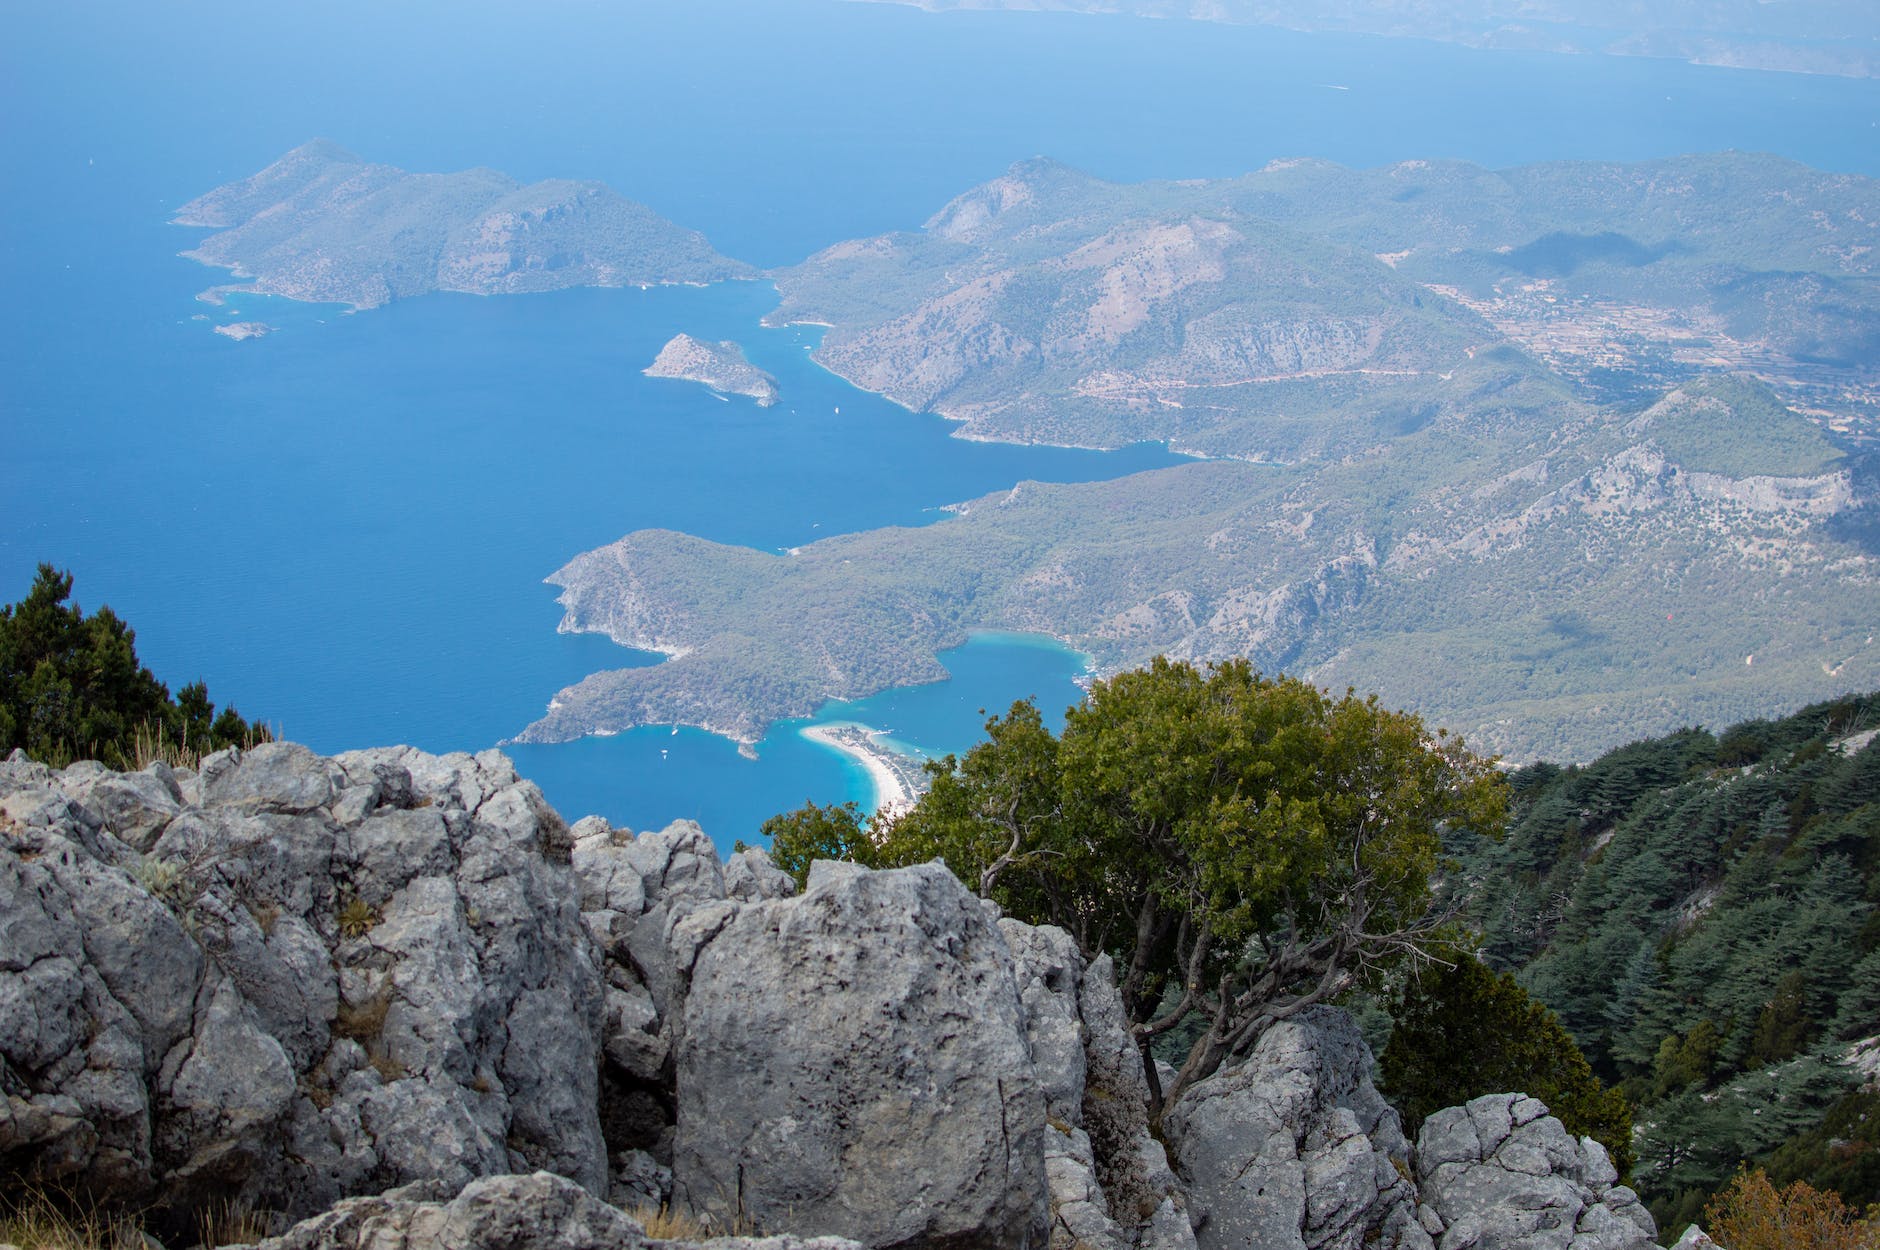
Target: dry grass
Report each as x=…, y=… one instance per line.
x=666, y=1224
x=663, y=1223
x=40, y=1217
x=363, y=1022
x=229, y=1223
x=150, y=744
x=356, y=918
x=37, y=1218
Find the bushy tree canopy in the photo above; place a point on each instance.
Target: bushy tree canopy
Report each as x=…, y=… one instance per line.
x=1461, y=1030
x=1242, y=846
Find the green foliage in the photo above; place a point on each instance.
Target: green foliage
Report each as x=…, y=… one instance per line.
x=1695, y=1139
x=1841, y=1153
x=1700, y=912
x=1242, y=846
x=1685, y=1062
x=71, y=687
x=1462, y=1030
x=812, y=832
x=1735, y=427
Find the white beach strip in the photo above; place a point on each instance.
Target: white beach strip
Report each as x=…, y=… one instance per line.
x=891, y=796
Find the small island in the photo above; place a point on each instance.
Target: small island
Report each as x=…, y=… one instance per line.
x=241, y=330
x=721, y=366
x=324, y=226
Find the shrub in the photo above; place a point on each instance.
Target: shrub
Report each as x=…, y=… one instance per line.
x=1752, y=1214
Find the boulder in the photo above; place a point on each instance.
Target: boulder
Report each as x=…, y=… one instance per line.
x=1294, y=1149
x=274, y=777
x=511, y=1212
x=326, y=978
x=536, y=1212
x=1132, y=1165
x=1501, y=1171
x=1108, y=1177
x=133, y=806
x=854, y=1061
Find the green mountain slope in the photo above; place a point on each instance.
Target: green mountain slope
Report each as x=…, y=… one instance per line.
x=1700, y=911
x=1310, y=311
x=1542, y=590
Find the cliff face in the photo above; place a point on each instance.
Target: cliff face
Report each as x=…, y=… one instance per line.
x=290, y=982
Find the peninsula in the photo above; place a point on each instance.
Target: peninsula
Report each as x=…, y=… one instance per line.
x=324, y=226
x=720, y=366
x=1547, y=454
x=897, y=779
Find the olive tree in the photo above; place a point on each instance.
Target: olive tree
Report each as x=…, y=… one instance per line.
x=1241, y=846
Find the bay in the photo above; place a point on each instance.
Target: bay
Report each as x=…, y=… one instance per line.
x=344, y=526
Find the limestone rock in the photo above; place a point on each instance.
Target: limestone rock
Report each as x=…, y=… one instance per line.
x=1131, y=1163
x=1501, y=1171
x=1295, y=1148
x=640, y=1182
x=534, y=1212
x=274, y=777
x=300, y=979
x=133, y=806
x=1080, y=1213
x=1102, y=1160
x=751, y=877
x=1048, y=969
x=854, y=1061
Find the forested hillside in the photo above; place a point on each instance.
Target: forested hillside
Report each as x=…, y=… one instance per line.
x=1699, y=909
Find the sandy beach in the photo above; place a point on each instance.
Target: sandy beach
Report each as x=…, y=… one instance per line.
x=892, y=794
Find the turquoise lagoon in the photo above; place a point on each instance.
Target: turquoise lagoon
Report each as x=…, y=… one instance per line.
x=344, y=526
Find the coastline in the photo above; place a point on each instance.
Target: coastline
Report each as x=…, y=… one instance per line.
x=886, y=771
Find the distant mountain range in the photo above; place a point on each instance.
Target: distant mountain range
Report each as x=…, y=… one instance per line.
x=1551, y=455
x=1310, y=310
x=1839, y=37
x=320, y=224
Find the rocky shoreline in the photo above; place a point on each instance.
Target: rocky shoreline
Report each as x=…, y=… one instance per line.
x=392, y=999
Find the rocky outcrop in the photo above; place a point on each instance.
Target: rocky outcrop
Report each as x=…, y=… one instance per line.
x=289, y=983
x=1500, y=1171
x=854, y=1061
x=1108, y=1179
x=289, y=979
x=536, y=1212
x=1295, y=1149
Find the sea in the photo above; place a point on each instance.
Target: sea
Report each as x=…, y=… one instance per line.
x=344, y=527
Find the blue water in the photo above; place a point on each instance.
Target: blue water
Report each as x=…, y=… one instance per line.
x=702, y=777
x=344, y=527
